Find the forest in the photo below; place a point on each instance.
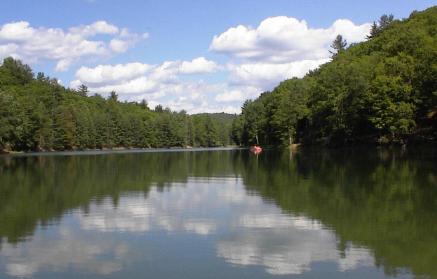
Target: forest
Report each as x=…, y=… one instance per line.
x=381, y=91
x=39, y=114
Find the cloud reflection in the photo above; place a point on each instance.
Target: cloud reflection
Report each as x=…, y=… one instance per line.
x=248, y=232
x=67, y=250
x=283, y=243
x=180, y=209
x=256, y=233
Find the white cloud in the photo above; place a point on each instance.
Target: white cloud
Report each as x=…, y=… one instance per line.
x=198, y=65
x=284, y=39
x=63, y=65
x=231, y=96
x=237, y=94
x=8, y=49
x=32, y=44
x=267, y=75
x=16, y=31
x=136, y=73
x=118, y=45
x=110, y=74
x=164, y=83
x=98, y=27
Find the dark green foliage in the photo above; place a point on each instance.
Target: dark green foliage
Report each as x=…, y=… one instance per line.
x=39, y=114
x=380, y=91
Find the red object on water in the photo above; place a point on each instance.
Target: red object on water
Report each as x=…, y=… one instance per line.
x=256, y=149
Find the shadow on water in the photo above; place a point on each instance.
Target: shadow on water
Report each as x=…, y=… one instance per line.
x=381, y=199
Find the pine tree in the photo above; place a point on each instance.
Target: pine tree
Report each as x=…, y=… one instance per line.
x=338, y=45
x=374, y=30
x=113, y=96
x=82, y=90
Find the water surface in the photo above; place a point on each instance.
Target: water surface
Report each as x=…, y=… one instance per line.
x=367, y=213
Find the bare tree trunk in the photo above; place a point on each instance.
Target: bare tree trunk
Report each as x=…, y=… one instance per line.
x=290, y=138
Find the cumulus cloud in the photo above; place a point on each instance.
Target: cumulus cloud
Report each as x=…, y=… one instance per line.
x=108, y=74
x=164, y=83
x=237, y=94
x=8, y=49
x=64, y=47
x=17, y=31
x=98, y=27
x=284, y=39
x=111, y=74
x=139, y=73
x=267, y=75
x=118, y=45
x=278, y=48
x=198, y=65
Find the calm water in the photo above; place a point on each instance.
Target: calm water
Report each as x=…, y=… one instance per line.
x=220, y=214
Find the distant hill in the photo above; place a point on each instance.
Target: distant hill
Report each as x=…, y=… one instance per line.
x=222, y=116
x=224, y=127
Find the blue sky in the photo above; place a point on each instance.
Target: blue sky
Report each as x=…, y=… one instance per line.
x=192, y=55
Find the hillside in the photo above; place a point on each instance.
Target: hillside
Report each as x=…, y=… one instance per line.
x=383, y=90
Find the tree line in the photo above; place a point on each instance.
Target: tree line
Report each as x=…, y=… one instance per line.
x=383, y=90
x=37, y=114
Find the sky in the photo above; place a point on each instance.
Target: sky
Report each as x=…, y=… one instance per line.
x=198, y=56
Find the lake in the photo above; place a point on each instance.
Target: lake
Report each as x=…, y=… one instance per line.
x=361, y=213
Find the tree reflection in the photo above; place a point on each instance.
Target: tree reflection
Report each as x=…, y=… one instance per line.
x=381, y=199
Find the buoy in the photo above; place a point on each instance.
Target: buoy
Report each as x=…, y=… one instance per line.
x=256, y=149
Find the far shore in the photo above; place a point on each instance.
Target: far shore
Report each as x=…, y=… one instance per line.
x=114, y=150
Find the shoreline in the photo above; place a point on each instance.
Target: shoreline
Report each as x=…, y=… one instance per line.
x=294, y=147
x=115, y=151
